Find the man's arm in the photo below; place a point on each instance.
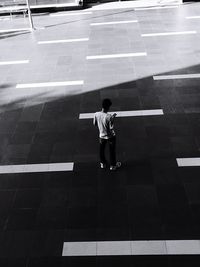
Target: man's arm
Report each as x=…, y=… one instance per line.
x=95, y=120
x=113, y=117
x=111, y=121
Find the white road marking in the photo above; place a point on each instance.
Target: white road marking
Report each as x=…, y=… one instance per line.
x=64, y=41
x=49, y=84
x=113, y=22
x=29, y=168
x=15, y=30
x=125, y=55
x=188, y=162
x=115, y=248
x=131, y=113
x=14, y=62
x=70, y=14
x=153, y=8
x=193, y=17
x=176, y=76
x=167, y=33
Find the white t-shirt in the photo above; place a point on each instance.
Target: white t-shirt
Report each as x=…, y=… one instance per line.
x=104, y=121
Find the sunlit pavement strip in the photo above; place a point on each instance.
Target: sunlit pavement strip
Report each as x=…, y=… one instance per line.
x=178, y=76
x=49, y=84
x=113, y=22
x=28, y=168
x=117, y=55
x=167, y=33
x=193, y=17
x=4, y=18
x=115, y=248
x=64, y=41
x=52, y=5
x=131, y=113
x=188, y=162
x=153, y=8
x=14, y=62
x=15, y=30
x=70, y=14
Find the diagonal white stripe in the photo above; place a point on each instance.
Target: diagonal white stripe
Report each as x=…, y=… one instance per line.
x=29, y=168
x=153, y=8
x=70, y=14
x=193, y=17
x=124, y=55
x=52, y=5
x=113, y=22
x=167, y=33
x=14, y=62
x=4, y=18
x=187, y=162
x=64, y=41
x=49, y=84
x=115, y=248
x=131, y=113
x=177, y=76
x=15, y=30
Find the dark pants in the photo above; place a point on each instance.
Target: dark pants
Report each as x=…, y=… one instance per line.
x=112, y=146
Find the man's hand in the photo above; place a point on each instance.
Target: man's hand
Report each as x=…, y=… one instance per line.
x=94, y=121
x=114, y=115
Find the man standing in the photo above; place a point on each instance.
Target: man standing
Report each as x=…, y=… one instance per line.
x=105, y=123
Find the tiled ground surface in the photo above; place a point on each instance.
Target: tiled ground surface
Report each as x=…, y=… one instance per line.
x=150, y=197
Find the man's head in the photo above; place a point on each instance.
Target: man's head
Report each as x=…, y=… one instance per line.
x=106, y=103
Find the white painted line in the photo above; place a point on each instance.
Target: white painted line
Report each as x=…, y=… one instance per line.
x=176, y=76
x=29, y=168
x=64, y=41
x=4, y=18
x=117, y=55
x=53, y=5
x=188, y=162
x=149, y=247
x=15, y=30
x=193, y=17
x=113, y=248
x=13, y=7
x=167, y=33
x=49, y=84
x=14, y=62
x=79, y=249
x=70, y=14
x=60, y=167
x=153, y=8
x=152, y=112
x=113, y=22
x=131, y=113
x=183, y=247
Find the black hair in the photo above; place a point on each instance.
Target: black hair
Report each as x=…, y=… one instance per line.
x=106, y=103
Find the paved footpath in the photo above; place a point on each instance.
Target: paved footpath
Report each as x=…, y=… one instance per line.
x=57, y=207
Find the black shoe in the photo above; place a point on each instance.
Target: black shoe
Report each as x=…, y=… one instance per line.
x=103, y=165
x=117, y=166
